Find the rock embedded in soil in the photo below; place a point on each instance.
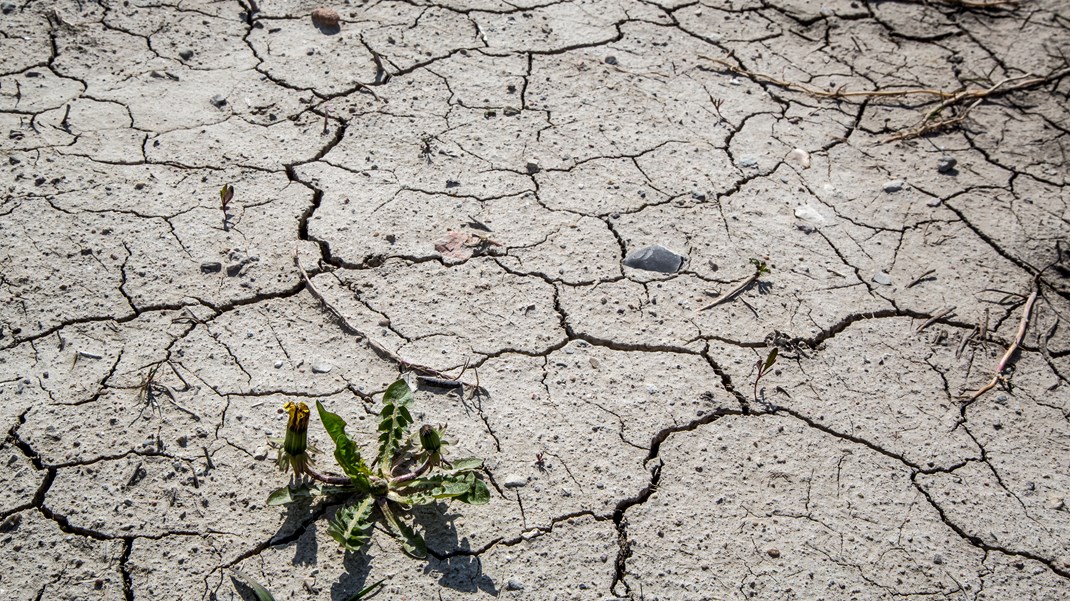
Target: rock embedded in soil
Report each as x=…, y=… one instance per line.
x=515, y=481
x=325, y=17
x=882, y=278
x=894, y=185
x=654, y=258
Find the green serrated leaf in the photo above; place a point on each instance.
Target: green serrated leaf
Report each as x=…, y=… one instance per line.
x=465, y=465
x=413, y=544
x=770, y=360
x=464, y=487
x=394, y=423
x=261, y=593
x=351, y=526
x=478, y=494
x=346, y=452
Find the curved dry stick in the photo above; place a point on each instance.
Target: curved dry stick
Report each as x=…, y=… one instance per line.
x=349, y=328
x=1013, y=348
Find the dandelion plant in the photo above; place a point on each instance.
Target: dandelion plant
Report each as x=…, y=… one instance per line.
x=407, y=471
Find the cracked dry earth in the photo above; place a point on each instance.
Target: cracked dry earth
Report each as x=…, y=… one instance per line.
x=461, y=181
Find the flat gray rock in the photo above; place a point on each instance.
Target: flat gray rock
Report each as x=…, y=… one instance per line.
x=654, y=258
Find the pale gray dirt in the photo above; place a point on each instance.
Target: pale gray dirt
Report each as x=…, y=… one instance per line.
x=461, y=180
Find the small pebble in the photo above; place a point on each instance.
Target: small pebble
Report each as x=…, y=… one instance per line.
x=611, y=60
x=532, y=168
x=938, y=559
x=185, y=55
x=515, y=481
x=325, y=17
x=321, y=367
x=946, y=164
x=211, y=267
x=219, y=101
x=747, y=162
x=799, y=156
x=278, y=364
x=773, y=552
x=882, y=278
x=514, y=585
x=894, y=185
x=8, y=8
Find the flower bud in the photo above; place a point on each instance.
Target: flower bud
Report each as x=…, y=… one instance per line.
x=430, y=438
x=295, y=446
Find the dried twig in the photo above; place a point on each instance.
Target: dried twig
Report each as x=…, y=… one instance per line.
x=921, y=277
x=965, y=340
x=935, y=318
x=977, y=3
x=1010, y=84
x=379, y=349
x=949, y=98
x=759, y=269
x=1027, y=312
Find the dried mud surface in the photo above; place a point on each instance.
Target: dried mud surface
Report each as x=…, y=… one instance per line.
x=461, y=181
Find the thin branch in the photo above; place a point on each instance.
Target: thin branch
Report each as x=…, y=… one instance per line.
x=1027, y=312
x=967, y=98
x=349, y=328
x=935, y=318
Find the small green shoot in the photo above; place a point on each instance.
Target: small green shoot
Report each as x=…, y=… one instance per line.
x=226, y=194
x=407, y=471
x=763, y=368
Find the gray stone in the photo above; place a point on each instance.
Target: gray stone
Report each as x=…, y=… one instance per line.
x=219, y=101
x=654, y=258
x=946, y=164
x=211, y=267
x=8, y=8
x=882, y=278
x=894, y=185
x=320, y=366
x=747, y=162
x=185, y=55
x=514, y=585
x=515, y=481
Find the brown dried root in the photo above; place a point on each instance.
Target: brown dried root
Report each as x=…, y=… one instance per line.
x=1004, y=362
x=965, y=99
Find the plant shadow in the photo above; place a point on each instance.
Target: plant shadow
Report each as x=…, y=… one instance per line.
x=453, y=559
